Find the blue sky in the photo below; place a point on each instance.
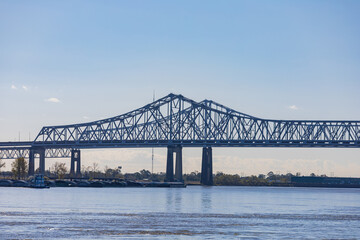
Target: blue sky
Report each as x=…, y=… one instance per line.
x=75, y=61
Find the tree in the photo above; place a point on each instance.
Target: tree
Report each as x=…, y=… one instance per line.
x=145, y=174
x=261, y=176
x=107, y=171
x=219, y=173
x=94, y=169
x=193, y=176
x=19, y=168
x=85, y=171
x=112, y=172
x=271, y=176
x=2, y=164
x=60, y=169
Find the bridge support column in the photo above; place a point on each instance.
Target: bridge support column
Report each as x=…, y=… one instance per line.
x=32, y=153
x=75, y=158
x=178, y=164
x=42, y=161
x=31, y=162
x=206, y=167
x=170, y=164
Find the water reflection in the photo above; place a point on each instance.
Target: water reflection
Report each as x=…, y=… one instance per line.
x=206, y=199
x=174, y=201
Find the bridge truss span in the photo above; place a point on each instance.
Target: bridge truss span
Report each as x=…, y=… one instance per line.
x=17, y=152
x=176, y=120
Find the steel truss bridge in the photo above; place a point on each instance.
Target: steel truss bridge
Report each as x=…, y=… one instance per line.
x=175, y=121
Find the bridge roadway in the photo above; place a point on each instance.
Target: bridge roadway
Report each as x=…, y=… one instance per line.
x=175, y=121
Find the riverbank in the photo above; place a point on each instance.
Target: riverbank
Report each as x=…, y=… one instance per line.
x=228, y=180
x=91, y=183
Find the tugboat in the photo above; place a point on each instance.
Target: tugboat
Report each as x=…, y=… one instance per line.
x=38, y=182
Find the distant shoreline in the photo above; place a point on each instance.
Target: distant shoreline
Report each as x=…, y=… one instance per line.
x=129, y=183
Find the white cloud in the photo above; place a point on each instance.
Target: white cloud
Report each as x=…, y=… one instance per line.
x=85, y=117
x=25, y=88
x=293, y=107
x=13, y=87
x=53, y=100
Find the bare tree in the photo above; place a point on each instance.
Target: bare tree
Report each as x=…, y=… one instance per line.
x=60, y=169
x=94, y=169
x=2, y=164
x=107, y=171
x=19, y=168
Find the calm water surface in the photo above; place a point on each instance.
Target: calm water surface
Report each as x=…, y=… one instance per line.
x=194, y=212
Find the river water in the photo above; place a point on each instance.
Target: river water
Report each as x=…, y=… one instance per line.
x=194, y=212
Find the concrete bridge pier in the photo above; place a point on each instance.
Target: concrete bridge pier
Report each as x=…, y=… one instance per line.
x=42, y=161
x=31, y=162
x=32, y=154
x=178, y=164
x=170, y=164
x=75, y=158
x=206, y=167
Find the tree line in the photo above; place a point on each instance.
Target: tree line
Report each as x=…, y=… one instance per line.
x=19, y=170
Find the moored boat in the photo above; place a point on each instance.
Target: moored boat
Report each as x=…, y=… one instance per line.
x=38, y=182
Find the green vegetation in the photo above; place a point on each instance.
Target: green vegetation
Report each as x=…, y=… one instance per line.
x=60, y=171
x=145, y=175
x=220, y=178
x=260, y=180
x=223, y=179
x=112, y=172
x=193, y=177
x=93, y=171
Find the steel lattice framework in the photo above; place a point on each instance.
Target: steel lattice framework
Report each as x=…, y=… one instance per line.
x=16, y=152
x=177, y=120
